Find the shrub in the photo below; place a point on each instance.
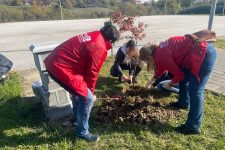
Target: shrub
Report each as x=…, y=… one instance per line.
x=204, y=9
x=9, y=15
x=132, y=9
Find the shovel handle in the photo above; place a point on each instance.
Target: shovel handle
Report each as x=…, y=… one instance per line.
x=107, y=98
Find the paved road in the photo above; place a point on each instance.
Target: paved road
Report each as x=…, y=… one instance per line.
x=217, y=79
x=15, y=38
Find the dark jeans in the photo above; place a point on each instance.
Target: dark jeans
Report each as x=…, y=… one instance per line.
x=115, y=73
x=192, y=91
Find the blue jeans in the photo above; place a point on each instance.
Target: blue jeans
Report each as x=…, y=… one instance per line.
x=81, y=109
x=192, y=91
x=174, y=89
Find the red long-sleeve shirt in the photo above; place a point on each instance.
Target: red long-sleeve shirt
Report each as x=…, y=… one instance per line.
x=77, y=61
x=178, y=52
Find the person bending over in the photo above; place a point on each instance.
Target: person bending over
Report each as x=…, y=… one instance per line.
x=75, y=65
x=190, y=59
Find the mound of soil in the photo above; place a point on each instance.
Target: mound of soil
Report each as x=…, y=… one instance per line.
x=135, y=109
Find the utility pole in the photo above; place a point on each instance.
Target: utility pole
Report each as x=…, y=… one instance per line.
x=223, y=7
x=60, y=5
x=212, y=14
x=165, y=4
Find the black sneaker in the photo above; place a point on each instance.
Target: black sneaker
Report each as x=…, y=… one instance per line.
x=186, y=131
x=177, y=105
x=90, y=137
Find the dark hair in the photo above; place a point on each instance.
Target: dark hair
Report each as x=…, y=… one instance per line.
x=110, y=33
x=131, y=44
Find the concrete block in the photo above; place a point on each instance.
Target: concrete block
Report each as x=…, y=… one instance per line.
x=45, y=78
x=52, y=86
x=56, y=101
x=39, y=60
x=48, y=83
x=38, y=89
x=59, y=113
x=40, y=52
x=57, y=105
x=56, y=98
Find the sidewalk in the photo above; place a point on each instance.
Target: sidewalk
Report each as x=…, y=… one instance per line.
x=217, y=79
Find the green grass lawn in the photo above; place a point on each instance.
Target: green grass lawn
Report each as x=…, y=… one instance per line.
x=23, y=125
x=220, y=43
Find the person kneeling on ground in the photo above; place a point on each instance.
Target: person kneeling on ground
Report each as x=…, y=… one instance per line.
x=126, y=59
x=190, y=59
x=161, y=83
x=75, y=65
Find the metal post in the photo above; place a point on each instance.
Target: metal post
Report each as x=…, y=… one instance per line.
x=212, y=13
x=60, y=5
x=165, y=5
x=223, y=7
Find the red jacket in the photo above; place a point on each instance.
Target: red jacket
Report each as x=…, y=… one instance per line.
x=178, y=52
x=77, y=61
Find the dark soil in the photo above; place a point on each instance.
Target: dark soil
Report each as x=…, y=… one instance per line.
x=136, y=105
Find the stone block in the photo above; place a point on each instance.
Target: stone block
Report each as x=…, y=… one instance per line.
x=56, y=101
x=39, y=60
x=56, y=98
x=45, y=78
x=40, y=52
x=37, y=90
x=57, y=105
x=48, y=83
x=59, y=113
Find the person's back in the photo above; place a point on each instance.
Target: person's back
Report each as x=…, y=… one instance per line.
x=182, y=51
x=73, y=57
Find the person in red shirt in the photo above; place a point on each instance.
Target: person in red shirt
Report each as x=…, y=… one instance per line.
x=75, y=65
x=190, y=59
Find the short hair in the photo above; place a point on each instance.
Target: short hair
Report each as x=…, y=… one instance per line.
x=110, y=33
